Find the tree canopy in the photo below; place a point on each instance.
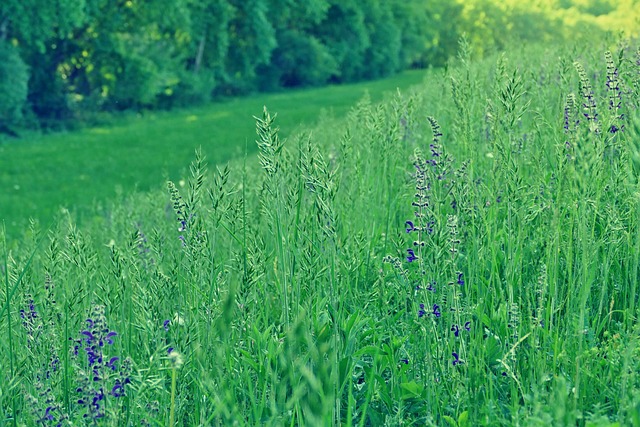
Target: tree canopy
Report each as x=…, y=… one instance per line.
x=63, y=60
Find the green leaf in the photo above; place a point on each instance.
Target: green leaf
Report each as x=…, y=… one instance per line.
x=411, y=390
x=463, y=419
x=383, y=392
x=450, y=421
x=369, y=350
x=248, y=360
x=345, y=367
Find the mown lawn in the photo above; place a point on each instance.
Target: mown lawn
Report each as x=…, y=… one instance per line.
x=80, y=170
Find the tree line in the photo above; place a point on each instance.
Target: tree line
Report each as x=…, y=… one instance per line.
x=62, y=60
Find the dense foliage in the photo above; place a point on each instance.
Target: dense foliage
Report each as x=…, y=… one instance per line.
x=466, y=254
x=80, y=57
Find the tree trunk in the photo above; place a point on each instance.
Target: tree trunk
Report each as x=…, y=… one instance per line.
x=203, y=40
x=3, y=28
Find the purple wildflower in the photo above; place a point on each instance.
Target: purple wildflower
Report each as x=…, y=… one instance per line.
x=422, y=311
x=88, y=336
x=118, y=389
x=412, y=256
x=455, y=330
x=589, y=101
x=48, y=416
x=410, y=226
x=567, y=116
x=92, y=356
x=456, y=359
x=99, y=372
x=615, y=95
x=32, y=323
x=111, y=363
x=436, y=149
x=429, y=226
x=109, y=338
x=436, y=310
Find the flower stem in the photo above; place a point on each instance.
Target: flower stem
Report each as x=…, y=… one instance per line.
x=172, y=412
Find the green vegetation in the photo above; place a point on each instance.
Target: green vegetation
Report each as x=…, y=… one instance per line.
x=63, y=61
x=466, y=253
x=78, y=170
x=158, y=54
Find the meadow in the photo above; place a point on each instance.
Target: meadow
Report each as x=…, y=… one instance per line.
x=465, y=253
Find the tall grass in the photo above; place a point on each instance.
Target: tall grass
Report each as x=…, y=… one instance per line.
x=465, y=254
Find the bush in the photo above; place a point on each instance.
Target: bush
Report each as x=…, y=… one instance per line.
x=14, y=76
x=193, y=89
x=299, y=60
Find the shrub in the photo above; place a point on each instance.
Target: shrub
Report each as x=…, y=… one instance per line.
x=14, y=76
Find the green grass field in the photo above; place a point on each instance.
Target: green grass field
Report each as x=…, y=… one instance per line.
x=466, y=253
x=82, y=169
